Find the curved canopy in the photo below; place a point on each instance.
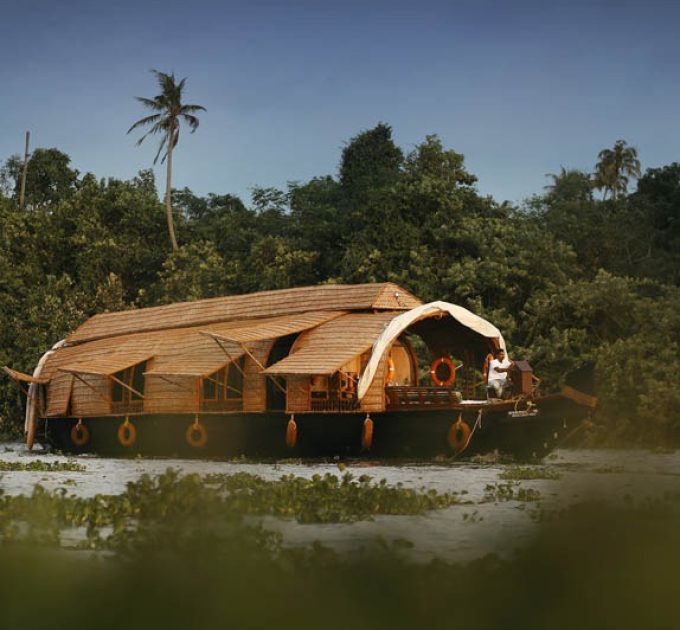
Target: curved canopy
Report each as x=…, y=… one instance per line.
x=401, y=322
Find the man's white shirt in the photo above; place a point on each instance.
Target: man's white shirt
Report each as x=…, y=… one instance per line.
x=494, y=375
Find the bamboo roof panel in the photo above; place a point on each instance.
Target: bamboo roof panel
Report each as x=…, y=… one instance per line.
x=194, y=365
x=324, y=350
x=277, y=327
x=181, y=351
x=24, y=378
x=255, y=305
x=134, y=348
x=106, y=365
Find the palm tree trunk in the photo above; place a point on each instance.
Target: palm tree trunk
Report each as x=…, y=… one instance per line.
x=24, y=172
x=168, y=190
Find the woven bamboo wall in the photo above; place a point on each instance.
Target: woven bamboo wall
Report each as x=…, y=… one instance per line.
x=254, y=383
x=92, y=400
x=175, y=394
x=298, y=393
x=59, y=394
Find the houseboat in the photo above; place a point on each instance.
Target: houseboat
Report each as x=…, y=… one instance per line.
x=313, y=371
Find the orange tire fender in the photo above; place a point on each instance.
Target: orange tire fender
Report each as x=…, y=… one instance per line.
x=291, y=433
x=196, y=434
x=367, y=434
x=127, y=433
x=80, y=434
x=459, y=435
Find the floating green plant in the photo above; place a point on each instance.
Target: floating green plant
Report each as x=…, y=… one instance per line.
x=510, y=491
x=174, y=506
x=609, y=469
x=524, y=473
x=41, y=466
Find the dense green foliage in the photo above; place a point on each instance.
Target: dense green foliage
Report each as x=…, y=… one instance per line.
x=568, y=277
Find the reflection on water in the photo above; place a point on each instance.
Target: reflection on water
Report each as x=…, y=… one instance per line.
x=474, y=528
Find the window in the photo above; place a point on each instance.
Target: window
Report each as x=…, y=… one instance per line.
x=123, y=398
x=223, y=390
x=318, y=387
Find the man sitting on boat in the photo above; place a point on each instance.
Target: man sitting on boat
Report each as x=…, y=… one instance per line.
x=498, y=374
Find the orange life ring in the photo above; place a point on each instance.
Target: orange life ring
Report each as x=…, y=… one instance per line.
x=459, y=435
x=196, y=435
x=80, y=434
x=127, y=434
x=485, y=367
x=389, y=373
x=450, y=379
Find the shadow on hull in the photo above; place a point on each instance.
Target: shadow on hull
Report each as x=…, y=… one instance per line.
x=410, y=434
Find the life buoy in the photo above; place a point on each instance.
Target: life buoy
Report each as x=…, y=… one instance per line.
x=389, y=372
x=127, y=433
x=443, y=382
x=196, y=435
x=459, y=435
x=485, y=367
x=367, y=433
x=291, y=433
x=80, y=434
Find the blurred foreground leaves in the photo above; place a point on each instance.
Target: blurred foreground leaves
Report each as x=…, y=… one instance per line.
x=179, y=558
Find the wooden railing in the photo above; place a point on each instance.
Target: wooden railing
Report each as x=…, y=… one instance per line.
x=407, y=397
x=127, y=406
x=231, y=404
x=340, y=404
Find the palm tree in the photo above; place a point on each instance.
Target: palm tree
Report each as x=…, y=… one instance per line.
x=570, y=185
x=169, y=112
x=615, y=167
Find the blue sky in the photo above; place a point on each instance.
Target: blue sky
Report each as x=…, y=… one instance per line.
x=520, y=88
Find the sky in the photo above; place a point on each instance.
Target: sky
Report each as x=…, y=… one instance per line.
x=521, y=88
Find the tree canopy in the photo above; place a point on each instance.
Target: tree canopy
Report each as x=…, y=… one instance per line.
x=569, y=278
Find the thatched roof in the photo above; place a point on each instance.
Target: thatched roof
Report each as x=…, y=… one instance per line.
x=181, y=351
x=168, y=348
x=359, y=297
x=325, y=349
x=182, y=339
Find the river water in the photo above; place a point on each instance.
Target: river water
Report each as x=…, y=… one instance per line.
x=478, y=526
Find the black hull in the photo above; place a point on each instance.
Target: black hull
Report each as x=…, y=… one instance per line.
x=417, y=433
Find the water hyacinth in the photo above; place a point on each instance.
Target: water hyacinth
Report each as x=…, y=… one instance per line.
x=169, y=509
x=40, y=466
x=525, y=473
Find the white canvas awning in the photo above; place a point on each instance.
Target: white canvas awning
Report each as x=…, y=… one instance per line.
x=401, y=322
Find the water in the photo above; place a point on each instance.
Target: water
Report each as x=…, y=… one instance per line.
x=470, y=530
